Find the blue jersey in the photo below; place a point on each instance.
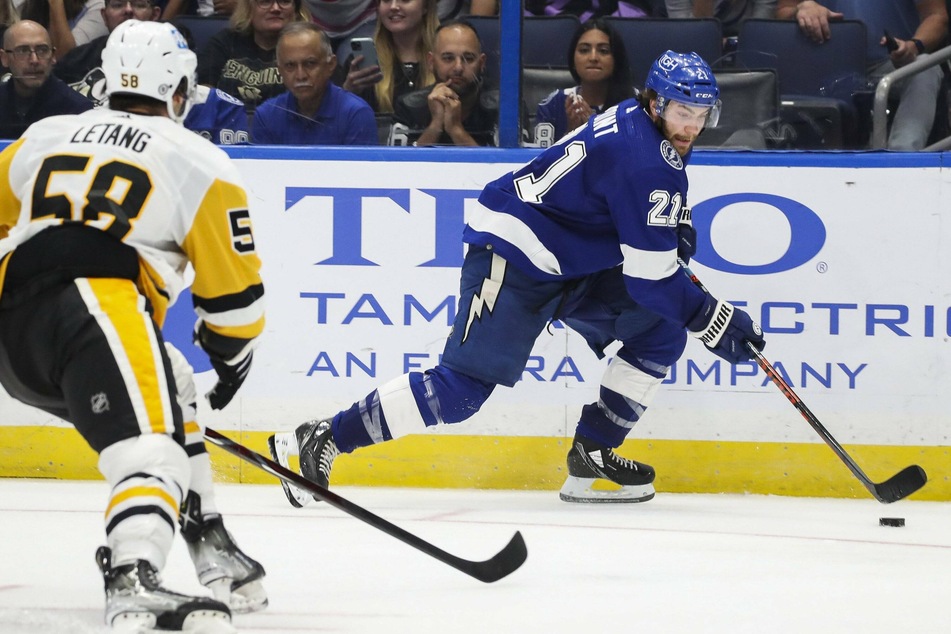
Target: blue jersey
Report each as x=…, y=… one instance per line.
x=608, y=194
x=218, y=117
x=342, y=119
x=551, y=112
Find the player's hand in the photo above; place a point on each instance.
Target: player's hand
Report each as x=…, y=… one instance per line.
x=686, y=240
x=724, y=329
x=231, y=374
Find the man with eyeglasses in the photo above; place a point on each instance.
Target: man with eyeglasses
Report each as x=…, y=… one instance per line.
x=81, y=68
x=31, y=93
x=455, y=110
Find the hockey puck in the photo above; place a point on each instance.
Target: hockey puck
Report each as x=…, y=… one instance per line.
x=891, y=521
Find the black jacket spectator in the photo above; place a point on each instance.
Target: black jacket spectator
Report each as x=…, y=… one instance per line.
x=412, y=110
x=53, y=97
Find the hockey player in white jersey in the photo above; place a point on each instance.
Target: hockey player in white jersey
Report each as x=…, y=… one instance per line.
x=589, y=233
x=100, y=214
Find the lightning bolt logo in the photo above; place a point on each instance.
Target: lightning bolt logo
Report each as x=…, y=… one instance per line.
x=488, y=295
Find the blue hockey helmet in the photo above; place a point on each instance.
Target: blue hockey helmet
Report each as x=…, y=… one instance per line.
x=686, y=78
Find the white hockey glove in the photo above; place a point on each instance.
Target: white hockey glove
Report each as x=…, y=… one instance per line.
x=724, y=329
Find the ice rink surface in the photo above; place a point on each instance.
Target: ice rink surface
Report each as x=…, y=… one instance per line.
x=679, y=563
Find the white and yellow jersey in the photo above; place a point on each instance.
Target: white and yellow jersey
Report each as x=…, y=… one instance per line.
x=161, y=189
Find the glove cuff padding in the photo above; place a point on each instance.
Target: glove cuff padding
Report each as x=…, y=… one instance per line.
x=221, y=349
x=711, y=322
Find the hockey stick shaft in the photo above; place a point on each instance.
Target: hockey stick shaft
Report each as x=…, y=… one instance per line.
x=503, y=563
x=899, y=486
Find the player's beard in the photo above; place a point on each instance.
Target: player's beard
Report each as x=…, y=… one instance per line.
x=677, y=140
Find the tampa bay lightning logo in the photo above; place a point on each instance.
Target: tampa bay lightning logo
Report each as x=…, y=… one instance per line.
x=671, y=155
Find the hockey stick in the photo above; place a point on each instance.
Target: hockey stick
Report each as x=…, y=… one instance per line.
x=503, y=563
x=899, y=486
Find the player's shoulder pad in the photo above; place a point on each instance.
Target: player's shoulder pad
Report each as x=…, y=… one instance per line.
x=647, y=137
x=223, y=96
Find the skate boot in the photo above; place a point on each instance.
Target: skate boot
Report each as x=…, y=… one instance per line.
x=589, y=461
x=281, y=446
x=233, y=577
x=137, y=602
x=313, y=443
x=317, y=451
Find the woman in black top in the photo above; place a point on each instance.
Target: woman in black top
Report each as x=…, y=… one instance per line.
x=241, y=60
x=405, y=32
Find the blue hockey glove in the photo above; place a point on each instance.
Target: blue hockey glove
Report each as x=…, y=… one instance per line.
x=686, y=236
x=724, y=329
x=686, y=241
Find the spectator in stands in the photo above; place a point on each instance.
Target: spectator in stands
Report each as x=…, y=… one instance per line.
x=918, y=26
x=314, y=110
x=32, y=93
x=175, y=8
x=8, y=15
x=587, y=9
x=456, y=110
x=405, y=33
x=451, y=9
x=598, y=62
x=71, y=23
x=241, y=60
x=81, y=67
x=729, y=12
x=343, y=19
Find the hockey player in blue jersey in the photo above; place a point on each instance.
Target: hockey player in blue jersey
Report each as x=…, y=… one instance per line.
x=588, y=233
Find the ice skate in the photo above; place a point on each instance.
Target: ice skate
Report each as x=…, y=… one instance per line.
x=589, y=461
x=281, y=446
x=137, y=603
x=317, y=451
x=233, y=577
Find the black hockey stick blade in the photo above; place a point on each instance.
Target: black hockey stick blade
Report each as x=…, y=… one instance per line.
x=502, y=564
x=900, y=485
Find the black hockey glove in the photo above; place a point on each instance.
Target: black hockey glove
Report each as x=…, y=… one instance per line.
x=686, y=241
x=231, y=372
x=724, y=329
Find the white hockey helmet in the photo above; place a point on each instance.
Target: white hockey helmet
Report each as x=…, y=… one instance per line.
x=150, y=59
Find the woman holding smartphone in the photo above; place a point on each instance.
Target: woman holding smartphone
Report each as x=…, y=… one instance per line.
x=405, y=32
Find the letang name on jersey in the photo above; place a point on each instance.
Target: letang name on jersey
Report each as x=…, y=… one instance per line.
x=118, y=134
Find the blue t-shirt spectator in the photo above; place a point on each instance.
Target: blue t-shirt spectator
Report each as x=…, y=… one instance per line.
x=342, y=119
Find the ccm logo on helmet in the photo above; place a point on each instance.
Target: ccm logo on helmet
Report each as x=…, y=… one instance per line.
x=703, y=95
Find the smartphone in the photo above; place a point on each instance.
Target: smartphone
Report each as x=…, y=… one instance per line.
x=365, y=46
x=890, y=43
